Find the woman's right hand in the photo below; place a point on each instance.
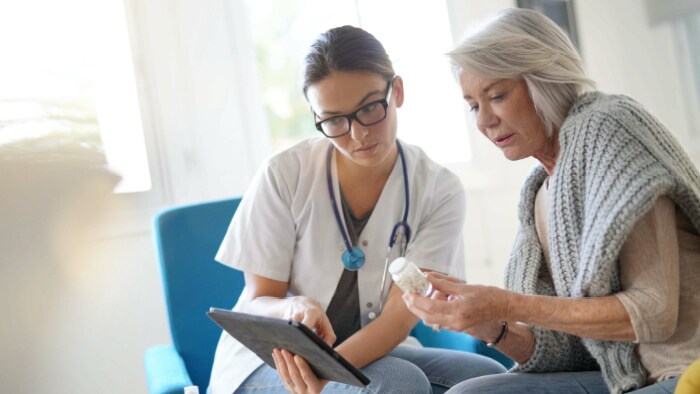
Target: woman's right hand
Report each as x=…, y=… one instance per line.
x=310, y=313
x=460, y=307
x=268, y=297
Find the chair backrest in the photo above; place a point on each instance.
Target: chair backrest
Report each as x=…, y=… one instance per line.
x=187, y=239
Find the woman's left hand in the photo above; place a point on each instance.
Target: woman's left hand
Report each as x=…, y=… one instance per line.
x=296, y=374
x=461, y=307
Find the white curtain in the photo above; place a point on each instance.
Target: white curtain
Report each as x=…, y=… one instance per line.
x=204, y=115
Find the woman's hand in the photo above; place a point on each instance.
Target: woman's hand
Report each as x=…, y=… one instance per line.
x=457, y=306
x=310, y=313
x=268, y=297
x=296, y=374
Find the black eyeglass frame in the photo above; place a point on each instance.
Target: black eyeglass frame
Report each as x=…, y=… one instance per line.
x=353, y=116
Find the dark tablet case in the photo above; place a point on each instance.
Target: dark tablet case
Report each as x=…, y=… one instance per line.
x=262, y=334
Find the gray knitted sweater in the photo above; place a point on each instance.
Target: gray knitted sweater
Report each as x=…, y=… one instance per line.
x=615, y=159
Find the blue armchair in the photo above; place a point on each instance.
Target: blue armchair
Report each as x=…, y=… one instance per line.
x=186, y=240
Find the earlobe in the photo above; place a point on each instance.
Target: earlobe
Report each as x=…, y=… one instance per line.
x=398, y=91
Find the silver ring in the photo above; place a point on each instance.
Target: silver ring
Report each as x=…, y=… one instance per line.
x=436, y=327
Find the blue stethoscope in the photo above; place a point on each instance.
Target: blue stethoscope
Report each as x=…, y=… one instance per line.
x=353, y=257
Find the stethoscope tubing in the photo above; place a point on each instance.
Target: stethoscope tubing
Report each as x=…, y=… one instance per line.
x=400, y=230
x=339, y=222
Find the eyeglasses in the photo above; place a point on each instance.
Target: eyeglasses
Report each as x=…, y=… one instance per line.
x=367, y=115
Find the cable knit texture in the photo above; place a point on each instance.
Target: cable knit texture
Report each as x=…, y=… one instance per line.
x=615, y=159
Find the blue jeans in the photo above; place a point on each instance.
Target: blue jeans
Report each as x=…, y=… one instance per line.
x=590, y=382
x=407, y=369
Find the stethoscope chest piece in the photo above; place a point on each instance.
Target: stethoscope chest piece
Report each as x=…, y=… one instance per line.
x=353, y=259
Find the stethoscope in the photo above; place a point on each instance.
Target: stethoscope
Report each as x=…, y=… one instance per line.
x=353, y=258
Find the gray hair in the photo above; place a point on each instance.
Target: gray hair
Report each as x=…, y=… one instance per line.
x=524, y=44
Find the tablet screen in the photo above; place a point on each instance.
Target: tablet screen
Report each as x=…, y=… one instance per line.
x=262, y=334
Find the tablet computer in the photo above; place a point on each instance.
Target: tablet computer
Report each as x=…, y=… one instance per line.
x=262, y=334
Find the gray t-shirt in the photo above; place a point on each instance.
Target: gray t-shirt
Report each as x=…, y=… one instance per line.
x=344, y=309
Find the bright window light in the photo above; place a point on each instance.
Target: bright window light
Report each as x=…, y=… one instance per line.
x=67, y=73
x=117, y=100
x=433, y=114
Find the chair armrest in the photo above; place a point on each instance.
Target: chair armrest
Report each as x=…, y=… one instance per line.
x=445, y=339
x=165, y=371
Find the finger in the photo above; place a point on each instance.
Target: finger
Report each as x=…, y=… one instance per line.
x=438, y=295
x=311, y=319
x=445, y=285
x=415, y=302
x=319, y=323
x=410, y=301
x=327, y=333
x=431, y=311
x=299, y=316
x=438, y=323
x=439, y=275
x=274, y=359
x=310, y=378
x=435, y=326
x=298, y=381
x=281, y=366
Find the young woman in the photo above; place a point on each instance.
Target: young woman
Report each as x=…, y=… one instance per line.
x=312, y=232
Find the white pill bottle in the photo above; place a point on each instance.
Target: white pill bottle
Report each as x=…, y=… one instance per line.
x=409, y=277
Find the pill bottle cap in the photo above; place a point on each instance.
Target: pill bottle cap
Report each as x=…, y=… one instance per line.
x=191, y=390
x=398, y=265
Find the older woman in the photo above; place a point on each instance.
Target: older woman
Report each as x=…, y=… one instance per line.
x=602, y=281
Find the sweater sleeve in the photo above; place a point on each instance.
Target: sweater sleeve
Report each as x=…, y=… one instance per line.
x=527, y=273
x=557, y=352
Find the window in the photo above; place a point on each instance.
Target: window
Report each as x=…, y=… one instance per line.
x=688, y=35
x=433, y=115
x=560, y=11
x=68, y=76
x=683, y=18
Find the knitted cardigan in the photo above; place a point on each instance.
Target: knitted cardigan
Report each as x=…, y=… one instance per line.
x=615, y=159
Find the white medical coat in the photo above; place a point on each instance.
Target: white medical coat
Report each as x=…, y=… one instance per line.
x=285, y=229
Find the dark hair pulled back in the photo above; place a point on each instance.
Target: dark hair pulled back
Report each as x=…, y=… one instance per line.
x=345, y=48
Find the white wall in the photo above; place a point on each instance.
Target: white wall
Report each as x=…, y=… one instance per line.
x=641, y=61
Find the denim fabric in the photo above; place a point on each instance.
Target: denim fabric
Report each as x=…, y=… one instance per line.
x=590, y=382
x=665, y=387
x=445, y=368
x=407, y=369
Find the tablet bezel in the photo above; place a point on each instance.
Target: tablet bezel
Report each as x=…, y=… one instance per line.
x=261, y=334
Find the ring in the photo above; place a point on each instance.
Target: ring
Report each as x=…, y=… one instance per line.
x=436, y=327
x=290, y=383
